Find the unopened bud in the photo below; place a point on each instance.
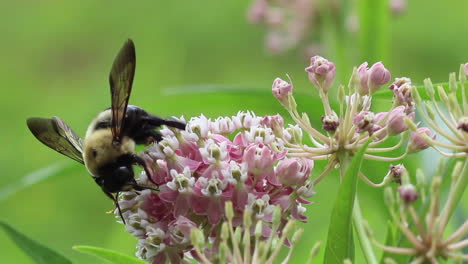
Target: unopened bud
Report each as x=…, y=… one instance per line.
x=429, y=110
x=321, y=72
x=463, y=124
x=275, y=122
x=442, y=94
x=224, y=231
x=416, y=142
x=258, y=230
x=453, y=82
x=196, y=237
x=396, y=123
x=364, y=121
x=281, y=90
x=463, y=72
x=397, y=171
x=294, y=134
x=229, y=210
x=294, y=171
x=276, y=216
x=408, y=193
x=297, y=235
x=429, y=88
x=378, y=76
x=330, y=122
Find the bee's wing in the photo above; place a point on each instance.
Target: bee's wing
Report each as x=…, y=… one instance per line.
x=54, y=133
x=121, y=79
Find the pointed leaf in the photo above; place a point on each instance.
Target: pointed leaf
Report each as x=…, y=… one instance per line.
x=109, y=255
x=340, y=244
x=39, y=253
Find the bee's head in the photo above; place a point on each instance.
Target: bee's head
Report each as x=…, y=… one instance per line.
x=117, y=179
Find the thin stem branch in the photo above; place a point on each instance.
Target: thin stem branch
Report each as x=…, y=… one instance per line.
x=454, y=197
x=380, y=158
x=366, y=246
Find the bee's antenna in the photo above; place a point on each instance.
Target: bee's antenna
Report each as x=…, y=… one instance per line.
x=114, y=198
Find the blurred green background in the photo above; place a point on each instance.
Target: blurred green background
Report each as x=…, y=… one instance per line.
x=56, y=56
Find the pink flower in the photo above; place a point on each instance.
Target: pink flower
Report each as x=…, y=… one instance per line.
x=416, y=142
x=408, y=193
x=294, y=172
x=372, y=79
x=281, y=90
x=199, y=169
x=321, y=73
x=402, y=93
x=396, y=123
x=364, y=121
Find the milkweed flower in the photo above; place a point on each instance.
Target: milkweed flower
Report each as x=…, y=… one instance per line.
x=239, y=159
x=426, y=230
x=355, y=123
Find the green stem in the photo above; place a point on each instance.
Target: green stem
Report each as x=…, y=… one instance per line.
x=366, y=245
x=454, y=196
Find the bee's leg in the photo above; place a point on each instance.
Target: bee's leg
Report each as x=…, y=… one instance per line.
x=114, y=198
x=140, y=161
x=138, y=187
x=157, y=121
x=147, y=137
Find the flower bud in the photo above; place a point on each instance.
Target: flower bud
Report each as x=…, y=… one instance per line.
x=363, y=79
x=378, y=76
x=364, y=121
x=370, y=80
x=330, y=122
x=281, y=90
x=321, y=73
x=293, y=134
x=275, y=122
x=463, y=123
x=396, y=123
x=416, y=142
x=294, y=171
x=465, y=68
x=408, y=193
x=396, y=171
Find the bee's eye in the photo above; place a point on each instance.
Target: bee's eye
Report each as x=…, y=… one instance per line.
x=94, y=153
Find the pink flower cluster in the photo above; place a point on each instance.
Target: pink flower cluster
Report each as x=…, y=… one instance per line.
x=239, y=159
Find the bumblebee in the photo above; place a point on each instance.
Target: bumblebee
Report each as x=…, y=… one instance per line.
x=108, y=149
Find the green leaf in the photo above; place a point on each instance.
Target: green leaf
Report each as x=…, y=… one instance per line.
x=39, y=253
x=35, y=177
x=340, y=244
x=374, y=29
x=109, y=255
